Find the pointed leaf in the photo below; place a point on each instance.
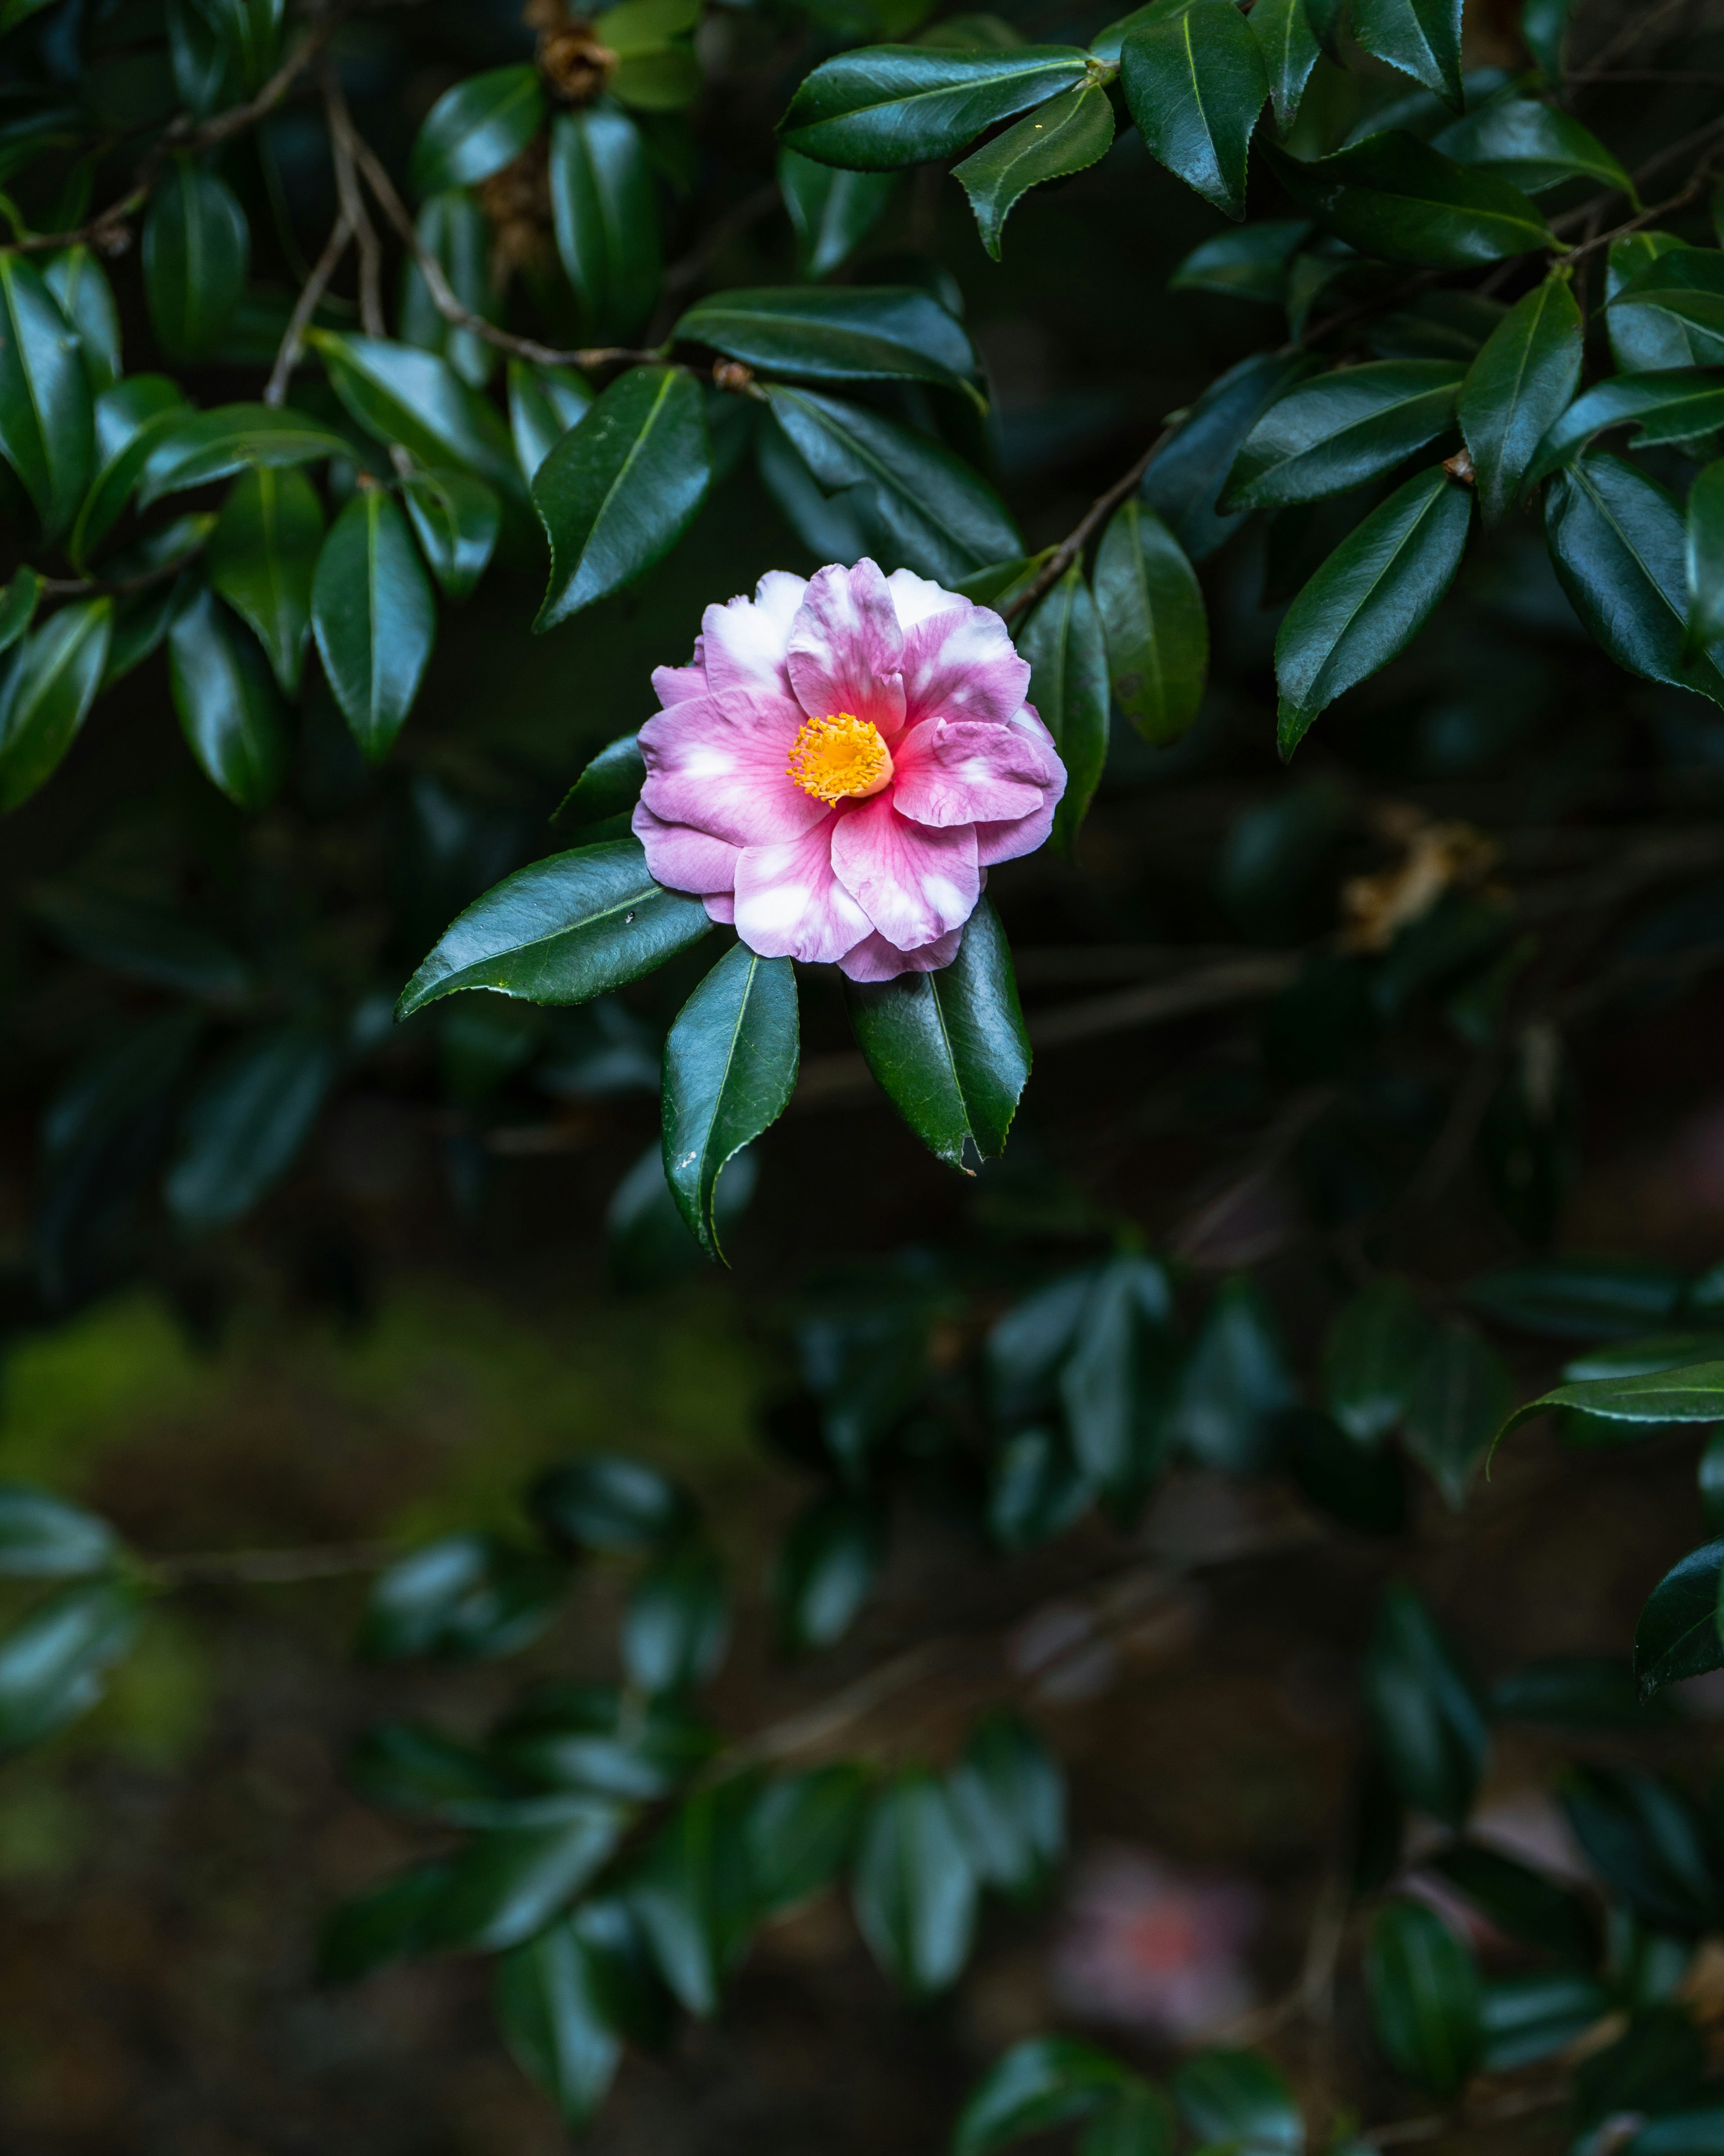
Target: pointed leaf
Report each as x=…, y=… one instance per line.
x=1517, y=388
x=1289, y=49
x=79, y=282
x=1678, y=1635
x=400, y=394
x=374, y=617
x=261, y=559
x=1009, y=1798
x=197, y=249
x=1325, y=436
x=46, y=414
x=827, y=1570
x=867, y=333
x=46, y=694
x=833, y=212
x=1424, y=1711
x=1195, y=81
x=210, y=445
x=229, y=712
x=1372, y=1359
x=54, y=1665
x=456, y=519
x=1066, y=135
x=1185, y=479
x=1040, y=2083
x=1395, y=197
x=1533, y=147
x=800, y=1831
x=1153, y=616
x=550, y=2005
x=544, y=402
x=884, y=106
x=1678, y=404
x=915, y=1890
x=606, y=214
x=1063, y=642
x=1421, y=38
x=477, y=128
x=1705, y=557
x=245, y=1124
x=504, y=1887
x=1459, y=1399
x=44, y=1538
x=1423, y=1990
x=1238, y=2099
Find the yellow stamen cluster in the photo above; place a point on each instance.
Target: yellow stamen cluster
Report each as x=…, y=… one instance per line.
x=839, y=755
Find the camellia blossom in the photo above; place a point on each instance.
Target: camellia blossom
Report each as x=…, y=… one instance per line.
x=847, y=757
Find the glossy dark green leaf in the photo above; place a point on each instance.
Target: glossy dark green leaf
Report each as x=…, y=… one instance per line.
x=1705, y=558
x=884, y=106
x=827, y=1570
x=503, y=1886
x=677, y=1624
x=1544, y=26
x=1429, y=1724
x=1067, y=653
x=375, y=619
x=1325, y=436
x=1371, y=1359
x=915, y=1889
x=251, y=1113
x=1185, y=479
x=1645, y=1839
x=619, y=491
x=1678, y=1636
x=730, y=1067
x=565, y=930
x=211, y=445
x=598, y=1740
x=1620, y=547
x=455, y=232
x=387, y=1924
x=1421, y=38
x=942, y=519
x=1570, y=1691
x=800, y=1831
x=1424, y=1990
x=79, y=282
x=42, y=1537
x=1068, y=134
x=1194, y=78
x=47, y=425
x=1642, y=336
x=229, y=710
x=610, y=785
x=408, y=1767
x=1154, y=623
x=1395, y=197
x=1525, y=2019
x=544, y=402
x=948, y=1048
x=54, y=1664
x=1236, y=2099
x=261, y=557
x=1666, y=404
x=839, y=333
x=1040, y=2083
x=475, y=128
x=1579, y=1297
x=1364, y=1487
x=1137, y=2121
x=683, y=1894
x=606, y=217
x=1520, y=1902
x=1370, y=599
x=1289, y=49
x=400, y=394
x=833, y=212
x=550, y=2006
x=456, y=519
x=17, y=606
x=1682, y=288
x=1681, y=2133
x=1517, y=388
x=467, y=1598
x=1108, y=1391
x=1009, y=1798
x=197, y=249
x=608, y=1503
x=117, y=477
x=1235, y=1385
x=1459, y=1399
x=1533, y=147
x=1252, y=263
x=46, y=694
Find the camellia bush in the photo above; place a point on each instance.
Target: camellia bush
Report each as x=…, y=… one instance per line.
x=1316, y=625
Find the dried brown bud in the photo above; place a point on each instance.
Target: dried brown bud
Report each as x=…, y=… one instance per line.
x=546, y=15
x=576, y=66
x=113, y=240
x=1460, y=466
x=731, y=374
x=516, y=202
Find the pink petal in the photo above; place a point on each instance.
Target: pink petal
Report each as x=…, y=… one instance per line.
x=676, y=685
x=961, y=666
x=915, y=883
x=968, y=772
x=915, y=597
x=847, y=650
x=683, y=859
x=721, y=769
x=1006, y=841
x=874, y=959
x=790, y=904
x=720, y=906
x=742, y=644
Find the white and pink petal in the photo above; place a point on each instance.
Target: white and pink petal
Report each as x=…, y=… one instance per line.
x=726, y=775
x=968, y=772
x=846, y=650
x=684, y=859
x=914, y=882
x=874, y=959
x=742, y=644
x=790, y=904
x=961, y=665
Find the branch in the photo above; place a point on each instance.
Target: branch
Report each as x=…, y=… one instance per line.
x=344, y=143
x=266, y=1567
x=1074, y=542
x=305, y=306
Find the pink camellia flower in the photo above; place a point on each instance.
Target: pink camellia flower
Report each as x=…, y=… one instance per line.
x=846, y=756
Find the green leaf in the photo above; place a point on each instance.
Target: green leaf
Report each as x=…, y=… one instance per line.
x=477, y=128
x=677, y=1624
x=1643, y=337
x=943, y=521
x=1066, y=135
x=1460, y=1397
x=1426, y=1715
x=1620, y=547
x=114, y=482
x=1040, y=2083
x=1235, y=1385
x=197, y=249
x=827, y=1570
x=1250, y=264
x=1421, y=38
x=1579, y=1297
x=245, y=1124
x=566, y=929
x=504, y=1887
x=1193, y=76
x=833, y=212
x=1570, y=1692
x=1289, y=49
x=456, y=519
x=1063, y=642
x=611, y=1503
x=550, y=2006
x=948, y=1048
x=1667, y=404
x=1371, y=1359
x=1681, y=2133
x=1370, y=599
x=1684, y=287
x=1678, y=1635
x=544, y=402
x=261, y=557
x=17, y=606
x=374, y=616
x=388, y=1924
x=408, y=1767
x=1236, y=2099
x=1655, y=2064
x=800, y=1831
x=730, y=1067
x=1645, y=1839
x=155, y=944
x=1187, y=474
x=1423, y=1991
x=619, y=491
x=1395, y=197
x=1533, y=147
x=46, y=694
x=679, y=1895
x=1517, y=388
x=79, y=282
x=1544, y=26
x=1325, y=436
x=467, y=1598
x=1521, y=1902
x=46, y=415
x=885, y=106
x=44, y=1538
x=1525, y=2019
x=1138, y=2121
x=229, y=712
x=1152, y=618
x=456, y=233
x=400, y=394
x=1009, y=1798
x=211, y=445
x=1106, y=1390
x=1705, y=557
x=860, y=333
x=915, y=1889
x=609, y=787
x=598, y=1739
x=606, y=216
x=52, y=1665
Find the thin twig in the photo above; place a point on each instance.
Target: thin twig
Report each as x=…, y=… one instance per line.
x=345, y=145
x=293, y=339
x=731, y=226
x=1696, y=180
x=1074, y=542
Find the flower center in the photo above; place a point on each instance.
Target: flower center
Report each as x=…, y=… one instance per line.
x=839, y=755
